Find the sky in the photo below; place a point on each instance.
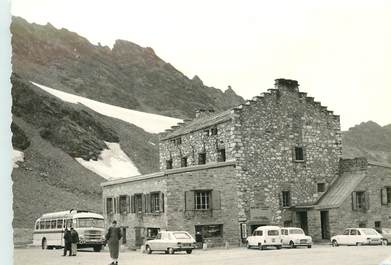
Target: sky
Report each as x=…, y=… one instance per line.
x=339, y=51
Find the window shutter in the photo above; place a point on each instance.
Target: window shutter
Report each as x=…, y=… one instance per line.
x=104, y=206
x=383, y=194
x=366, y=198
x=148, y=203
x=143, y=200
x=161, y=201
x=293, y=158
x=280, y=199
x=189, y=200
x=132, y=208
x=117, y=204
x=354, y=201
x=304, y=153
x=216, y=201
x=127, y=204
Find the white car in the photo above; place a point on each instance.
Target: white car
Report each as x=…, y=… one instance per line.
x=265, y=236
x=293, y=237
x=357, y=236
x=170, y=242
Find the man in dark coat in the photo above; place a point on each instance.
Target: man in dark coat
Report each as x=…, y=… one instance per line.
x=113, y=237
x=74, y=240
x=67, y=242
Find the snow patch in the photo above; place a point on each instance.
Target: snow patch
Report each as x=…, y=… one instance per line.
x=152, y=123
x=112, y=163
x=17, y=156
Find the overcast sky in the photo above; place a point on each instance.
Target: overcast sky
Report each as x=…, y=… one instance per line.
x=339, y=51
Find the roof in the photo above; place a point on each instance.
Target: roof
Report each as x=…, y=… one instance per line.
x=341, y=189
x=200, y=123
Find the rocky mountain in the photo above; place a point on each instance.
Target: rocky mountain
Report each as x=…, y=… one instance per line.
x=51, y=133
x=127, y=75
x=368, y=139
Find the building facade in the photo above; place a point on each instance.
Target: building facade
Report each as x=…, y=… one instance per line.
x=274, y=160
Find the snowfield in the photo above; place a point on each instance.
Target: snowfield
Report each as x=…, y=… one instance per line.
x=112, y=163
x=17, y=156
x=151, y=123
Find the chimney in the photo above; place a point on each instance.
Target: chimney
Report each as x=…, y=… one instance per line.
x=203, y=113
x=282, y=83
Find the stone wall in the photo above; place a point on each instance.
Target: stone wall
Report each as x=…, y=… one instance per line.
x=343, y=217
x=267, y=129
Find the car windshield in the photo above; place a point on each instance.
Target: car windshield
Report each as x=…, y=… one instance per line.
x=369, y=232
x=90, y=222
x=181, y=235
x=296, y=231
x=273, y=233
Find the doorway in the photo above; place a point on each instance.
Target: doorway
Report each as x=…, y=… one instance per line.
x=139, y=239
x=324, y=224
x=302, y=219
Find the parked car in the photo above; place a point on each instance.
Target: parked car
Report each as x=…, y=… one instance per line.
x=386, y=233
x=265, y=236
x=294, y=237
x=170, y=242
x=357, y=236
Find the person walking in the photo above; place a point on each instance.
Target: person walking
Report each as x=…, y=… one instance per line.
x=74, y=241
x=113, y=237
x=67, y=241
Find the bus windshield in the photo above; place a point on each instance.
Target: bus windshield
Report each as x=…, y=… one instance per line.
x=90, y=222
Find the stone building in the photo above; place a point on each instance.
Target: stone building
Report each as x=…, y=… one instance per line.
x=274, y=160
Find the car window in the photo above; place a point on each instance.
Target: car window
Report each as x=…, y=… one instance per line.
x=346, y=232
x=386, y=231
x=353, y=232
x=283, y=231
x=296, y=231
x=181, y=235
x=369, y=232
x=159, y=236
x=273, y=233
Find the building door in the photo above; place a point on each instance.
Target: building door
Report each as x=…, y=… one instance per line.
x=324, y=224
x=138, y=237
x=302, y=219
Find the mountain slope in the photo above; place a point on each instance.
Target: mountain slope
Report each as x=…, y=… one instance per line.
x=52, y=133
x=127, y=75
x=370, y=140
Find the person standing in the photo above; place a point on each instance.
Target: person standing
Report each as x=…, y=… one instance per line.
x=113, y=237
x=74, y=240
x=67, y=241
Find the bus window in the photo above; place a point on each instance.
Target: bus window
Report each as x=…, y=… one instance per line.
x=60, y=223
x=42, y=225
x=37, y=225
x=68, y=223
x=53, y=224
x=47, y=224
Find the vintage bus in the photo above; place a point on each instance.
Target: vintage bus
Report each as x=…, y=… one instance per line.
x=49, y=229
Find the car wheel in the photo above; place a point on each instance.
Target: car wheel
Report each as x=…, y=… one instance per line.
x=384, y=242
x=44, y=244
x=334, y=243
x=189, y=251
x=148, y=249
x=309, y=246
x=248, y=245
x=170, y=251
x=358, y=244
x=278, y=247
x=260, y=246
x=292, y=245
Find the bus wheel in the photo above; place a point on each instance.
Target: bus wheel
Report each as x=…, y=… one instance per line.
x=44, y=243
x=98, y=248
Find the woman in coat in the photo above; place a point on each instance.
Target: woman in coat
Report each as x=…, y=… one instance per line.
x=113, y=237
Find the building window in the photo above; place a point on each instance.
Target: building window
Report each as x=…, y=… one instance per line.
x=299, y=153
x=286, y=198
x=109, y=206
x=206, y=132
x=123, y=204
x=201, y=158
x=213, y=131
x=138, y=203
x=202, y=200
x=209, y=231
x=321, y=187
x=359, y=200
x=362, y=225
x=221, y=155
x=169, y=164
x=388, y=194
x=385, y=195
x=155, y=202
x=178, y=141
x=184, y=162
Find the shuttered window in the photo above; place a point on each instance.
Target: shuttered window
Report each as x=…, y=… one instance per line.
x=202, y=200
x=109, y=206
x=385, y=195
x=360, y=201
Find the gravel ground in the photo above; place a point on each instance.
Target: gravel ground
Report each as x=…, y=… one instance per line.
x=318, y=255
